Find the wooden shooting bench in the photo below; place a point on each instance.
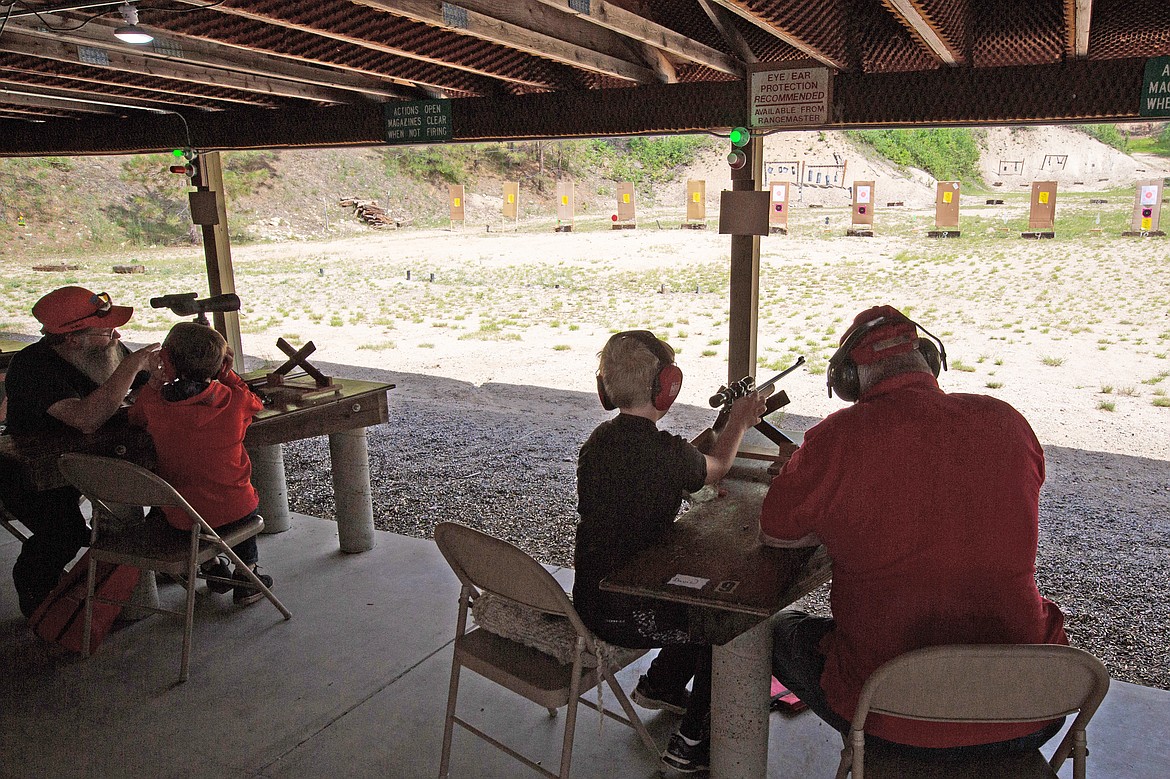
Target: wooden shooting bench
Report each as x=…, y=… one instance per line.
x=298, y=408
x=712, y=562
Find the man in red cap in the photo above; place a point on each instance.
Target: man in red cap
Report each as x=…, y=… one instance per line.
x=928, y=505
x=75, y=378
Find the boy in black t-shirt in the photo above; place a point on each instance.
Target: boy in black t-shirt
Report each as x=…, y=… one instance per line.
x=631, y=477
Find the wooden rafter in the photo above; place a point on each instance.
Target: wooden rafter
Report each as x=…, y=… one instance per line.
x=1077, y=16
x=40, y=100
x=128, y=96
x=631, y=25
x=921, y=27
x=61, y=46
x=739, y=8
x=724, y=22
x=320, y=28
x=538, y=42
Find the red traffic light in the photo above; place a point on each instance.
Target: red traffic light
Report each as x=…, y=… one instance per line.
x=736, y=159
x=186, y=170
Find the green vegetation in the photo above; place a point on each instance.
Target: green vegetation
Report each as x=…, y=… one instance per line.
x=1108, y=134
x=946, y=154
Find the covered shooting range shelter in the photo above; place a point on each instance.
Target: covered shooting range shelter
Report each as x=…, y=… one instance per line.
x=246, y=74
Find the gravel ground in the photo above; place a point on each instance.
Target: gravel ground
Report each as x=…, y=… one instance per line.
x=503, y=458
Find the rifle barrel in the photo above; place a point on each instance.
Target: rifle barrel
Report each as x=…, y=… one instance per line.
x=770, y=383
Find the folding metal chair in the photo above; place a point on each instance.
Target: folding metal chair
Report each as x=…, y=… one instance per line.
x=979, y=683
x=154, y=545
x=490, y=567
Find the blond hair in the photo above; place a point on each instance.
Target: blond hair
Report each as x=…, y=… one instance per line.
x=196, y=351
x=629, y=365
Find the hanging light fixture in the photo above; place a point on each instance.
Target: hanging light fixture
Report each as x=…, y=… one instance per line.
x=131, y=32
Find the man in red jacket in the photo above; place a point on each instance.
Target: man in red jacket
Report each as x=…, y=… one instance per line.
x=928, y=505
x=197, y=411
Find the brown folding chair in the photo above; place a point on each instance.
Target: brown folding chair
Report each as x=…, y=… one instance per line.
x=12, y=524
x=979, y=683
x=154, y=545
x=495, y=572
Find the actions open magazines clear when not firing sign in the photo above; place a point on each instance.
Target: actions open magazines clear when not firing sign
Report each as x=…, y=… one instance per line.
x=789, y=95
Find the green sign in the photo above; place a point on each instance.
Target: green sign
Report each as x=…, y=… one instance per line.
x=418, y=121
x=1156, y=88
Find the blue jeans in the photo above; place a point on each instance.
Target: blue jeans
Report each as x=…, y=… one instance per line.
x=798, y=663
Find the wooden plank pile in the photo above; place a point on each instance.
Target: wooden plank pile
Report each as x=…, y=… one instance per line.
x=373, y=214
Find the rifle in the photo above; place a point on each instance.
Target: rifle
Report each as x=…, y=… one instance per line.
x=726, y=396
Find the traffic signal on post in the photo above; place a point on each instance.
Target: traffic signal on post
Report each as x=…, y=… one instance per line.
x=740, y=137
x=189, y=166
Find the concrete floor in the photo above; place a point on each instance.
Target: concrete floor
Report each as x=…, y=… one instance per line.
x=355, y=685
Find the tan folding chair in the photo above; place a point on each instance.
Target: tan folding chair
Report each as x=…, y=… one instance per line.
x=12, y=524
x=497, y=575
x=155, y=545
x=979, y=683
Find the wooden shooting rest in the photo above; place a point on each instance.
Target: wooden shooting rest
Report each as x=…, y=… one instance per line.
x=279, y=387
x=776, y=446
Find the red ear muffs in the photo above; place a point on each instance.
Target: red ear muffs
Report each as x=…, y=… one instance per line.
x=667, y=382
x=666, y=387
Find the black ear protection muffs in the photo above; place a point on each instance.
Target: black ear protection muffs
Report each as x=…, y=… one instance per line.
x=667, y=379
x=842, y=375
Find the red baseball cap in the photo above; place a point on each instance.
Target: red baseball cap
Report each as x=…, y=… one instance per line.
x=887, y=332
x=69, y=309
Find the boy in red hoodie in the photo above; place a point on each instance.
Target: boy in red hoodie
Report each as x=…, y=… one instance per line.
x=197, y=410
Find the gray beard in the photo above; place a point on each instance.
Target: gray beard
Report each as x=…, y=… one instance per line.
x=98, y=364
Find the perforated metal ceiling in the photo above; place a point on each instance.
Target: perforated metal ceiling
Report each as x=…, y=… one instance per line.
x=248, y=73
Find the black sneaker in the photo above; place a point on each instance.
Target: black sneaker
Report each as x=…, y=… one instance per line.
x=687, y=758
x=219, y=567
x=646, y=696
x=246, y=592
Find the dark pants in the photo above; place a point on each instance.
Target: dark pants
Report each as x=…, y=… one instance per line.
x=247, y=550
x=680, y=660
x=798, y=663
x=58, y=531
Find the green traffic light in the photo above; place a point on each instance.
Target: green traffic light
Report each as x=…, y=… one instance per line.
x=177, y=153
x=740, y=136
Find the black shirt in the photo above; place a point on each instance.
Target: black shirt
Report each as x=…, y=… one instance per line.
x=631, y=478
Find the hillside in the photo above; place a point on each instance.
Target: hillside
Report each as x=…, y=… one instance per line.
x=58, y=206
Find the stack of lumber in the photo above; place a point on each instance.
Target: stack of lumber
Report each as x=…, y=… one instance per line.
x=371, y=213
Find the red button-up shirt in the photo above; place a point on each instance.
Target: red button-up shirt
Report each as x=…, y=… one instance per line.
x=928, y=505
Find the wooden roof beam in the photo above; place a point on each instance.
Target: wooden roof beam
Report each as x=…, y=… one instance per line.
x=1077, y=16
x=724, y=22
x=922, y=28
x=631, y=25
x=541, y=41
x=60, y=46
x=82, y=91
x=323, y=32
x=738, y=8
x=41, y=100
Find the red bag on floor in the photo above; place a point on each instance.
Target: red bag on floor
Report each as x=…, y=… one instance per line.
x=782, y=698
x=61, y=617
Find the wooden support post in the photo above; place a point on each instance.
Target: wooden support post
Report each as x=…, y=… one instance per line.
x=217, y=251
x=745, y=276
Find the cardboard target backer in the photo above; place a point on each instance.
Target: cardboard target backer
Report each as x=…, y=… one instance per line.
x=863, y=200
x=946, y=204
x=778, y=203
x=625, y=201
x=1042, y=215
x=1147, y=206
x=565, y=204
x=455, y=197
x=511, y=199
x=696, y=200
